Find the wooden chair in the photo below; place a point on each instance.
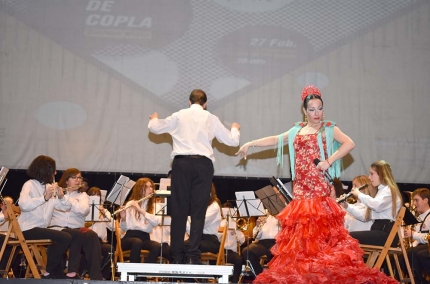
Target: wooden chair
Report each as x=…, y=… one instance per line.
x=377, y=254
x=220, y=256
x=30, y=248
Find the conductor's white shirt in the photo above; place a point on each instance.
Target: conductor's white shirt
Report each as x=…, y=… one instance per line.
x=193, y=130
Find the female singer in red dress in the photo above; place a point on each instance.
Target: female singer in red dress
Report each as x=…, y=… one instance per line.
x=313, y=245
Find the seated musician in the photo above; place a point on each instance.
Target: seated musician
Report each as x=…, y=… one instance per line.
x=161, y=234
x=138, y=220
x=357, y=218
x=72, y=221
x=235, y=238
x=384, y=206
x=210, y=241
x=37, y=200
x=100, y=227
x=418, y=236
x=264, y=232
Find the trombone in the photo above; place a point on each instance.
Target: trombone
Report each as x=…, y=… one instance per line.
x=129, y=205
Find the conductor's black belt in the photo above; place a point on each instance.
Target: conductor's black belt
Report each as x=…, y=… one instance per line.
x=190, y=156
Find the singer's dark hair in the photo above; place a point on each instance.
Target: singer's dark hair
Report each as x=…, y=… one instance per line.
x=311, y=97
x=42, y=169
x=198, y=96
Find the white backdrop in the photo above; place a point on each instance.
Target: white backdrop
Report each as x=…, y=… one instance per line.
x=78, y=78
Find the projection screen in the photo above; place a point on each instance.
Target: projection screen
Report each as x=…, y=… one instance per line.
x=79, y=78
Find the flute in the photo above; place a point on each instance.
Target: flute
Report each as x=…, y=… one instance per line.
x=129, y=205
x=345, y=196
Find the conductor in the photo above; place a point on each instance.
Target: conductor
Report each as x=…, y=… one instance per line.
x=192, y=131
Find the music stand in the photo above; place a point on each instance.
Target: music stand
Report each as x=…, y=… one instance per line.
x=117, y=195
x=282, y=189
x=271, y=200
x=161, y=209
x=249, y=206
x=120, y=190
x=3, y=173
x=409, y=218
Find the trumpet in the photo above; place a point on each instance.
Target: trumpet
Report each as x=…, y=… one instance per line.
x=129, y=205
x=241, y=224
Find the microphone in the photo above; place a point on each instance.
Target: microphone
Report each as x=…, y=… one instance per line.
x=344, y=197
x=326, y=174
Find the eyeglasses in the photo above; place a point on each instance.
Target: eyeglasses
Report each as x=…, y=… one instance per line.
x=75, y=177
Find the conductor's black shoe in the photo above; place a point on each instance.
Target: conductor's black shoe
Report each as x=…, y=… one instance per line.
x=196, y=261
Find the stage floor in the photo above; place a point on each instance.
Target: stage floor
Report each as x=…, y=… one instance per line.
x=67, y=281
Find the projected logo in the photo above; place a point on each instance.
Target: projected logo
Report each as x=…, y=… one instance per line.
x=224, y=47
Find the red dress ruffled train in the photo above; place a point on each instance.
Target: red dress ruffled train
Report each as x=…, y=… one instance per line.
x=313, y=246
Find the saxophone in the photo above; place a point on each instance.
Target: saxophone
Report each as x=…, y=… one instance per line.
x=427, y=238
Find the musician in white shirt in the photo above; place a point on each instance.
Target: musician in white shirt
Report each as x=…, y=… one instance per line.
x=72, y=221
x=161, y=234
x=264, y=240
x=100, y=227
x=192, y=131
x=138, y=220
x=384, y=207
x=358, y=216
x=234, y=239
x=37, y=200
x=420, y=199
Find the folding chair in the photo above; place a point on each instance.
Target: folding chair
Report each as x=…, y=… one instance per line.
x=377, y=254
x=30, y=248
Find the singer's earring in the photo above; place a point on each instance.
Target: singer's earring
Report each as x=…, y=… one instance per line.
x=306, y=118
x=323, y=116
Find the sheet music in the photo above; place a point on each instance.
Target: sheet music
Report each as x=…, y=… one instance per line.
x=229, y=212
x=246, y=200
x=164, y=183
x=3, y=173
x=103, y=193
x=120, y=190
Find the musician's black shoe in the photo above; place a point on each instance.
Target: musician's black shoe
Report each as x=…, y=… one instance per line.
x=177, y=262
x=195, y=261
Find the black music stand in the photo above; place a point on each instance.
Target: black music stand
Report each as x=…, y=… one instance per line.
x=249, y=206
x=409, y=218
x=271, y=200
x=282, y=189
x=117, y=195
x=165, y=219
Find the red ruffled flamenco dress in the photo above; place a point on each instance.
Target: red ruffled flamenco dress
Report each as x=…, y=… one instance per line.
x=313, y=246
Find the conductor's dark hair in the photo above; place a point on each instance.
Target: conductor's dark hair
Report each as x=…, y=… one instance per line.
x=198, y=96
x=311, y=97
x=42, y=169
